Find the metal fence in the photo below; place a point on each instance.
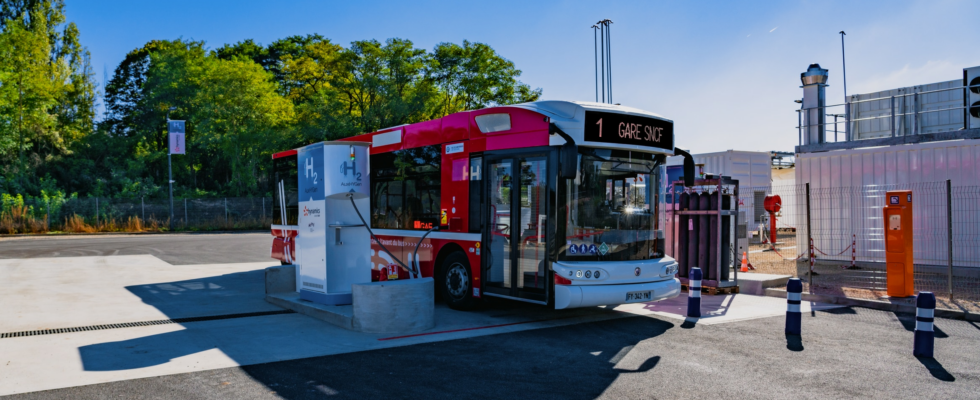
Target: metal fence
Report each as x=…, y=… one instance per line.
x=203, y=214
x=846, y=225
x=908, y=111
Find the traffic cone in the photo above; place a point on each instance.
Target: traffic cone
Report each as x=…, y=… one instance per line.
x=745, y=262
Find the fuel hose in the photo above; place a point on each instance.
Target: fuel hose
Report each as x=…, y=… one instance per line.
x=414, y=270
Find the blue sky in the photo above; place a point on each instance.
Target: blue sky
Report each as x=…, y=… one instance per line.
x=726, y=72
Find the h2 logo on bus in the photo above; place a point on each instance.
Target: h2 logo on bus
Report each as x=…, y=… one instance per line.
x=352, y=168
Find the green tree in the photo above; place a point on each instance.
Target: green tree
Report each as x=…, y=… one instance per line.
x=47, y=95
x=239, y=113
x=474, y=76
x=382, y=85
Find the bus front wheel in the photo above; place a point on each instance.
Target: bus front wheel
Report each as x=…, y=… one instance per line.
x=455, y=282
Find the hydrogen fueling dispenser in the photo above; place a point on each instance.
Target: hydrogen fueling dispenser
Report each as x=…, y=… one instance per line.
x=333, y=245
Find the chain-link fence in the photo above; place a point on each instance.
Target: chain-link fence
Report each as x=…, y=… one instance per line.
x=96, y=214
x=846, y=226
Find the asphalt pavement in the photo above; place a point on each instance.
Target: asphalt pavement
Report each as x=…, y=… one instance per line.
x=843, y=353
x=177, y=249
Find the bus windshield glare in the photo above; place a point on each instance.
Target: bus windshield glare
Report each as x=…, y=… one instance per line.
x=612, y=207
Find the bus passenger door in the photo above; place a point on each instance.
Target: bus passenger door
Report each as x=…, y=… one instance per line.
x=517, y=227
x=498, y=225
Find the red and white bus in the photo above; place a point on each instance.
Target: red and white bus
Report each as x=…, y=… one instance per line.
x=550, y=202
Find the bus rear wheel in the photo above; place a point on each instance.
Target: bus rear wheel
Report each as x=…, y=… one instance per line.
x=455, y=282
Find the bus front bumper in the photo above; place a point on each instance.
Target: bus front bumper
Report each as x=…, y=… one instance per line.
x=574, y=296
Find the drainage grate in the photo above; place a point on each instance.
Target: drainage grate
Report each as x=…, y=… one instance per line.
x=143, y=323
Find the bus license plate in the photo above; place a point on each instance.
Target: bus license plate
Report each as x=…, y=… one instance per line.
x=637, y=296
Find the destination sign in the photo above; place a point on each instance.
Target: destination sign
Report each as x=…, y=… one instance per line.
x=616, y=128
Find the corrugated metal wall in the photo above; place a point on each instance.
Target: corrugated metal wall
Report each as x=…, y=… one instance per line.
x=880, y=125
x=923, y=162
x=847, y=194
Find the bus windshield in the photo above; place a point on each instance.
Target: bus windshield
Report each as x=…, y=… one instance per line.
x=612, y=207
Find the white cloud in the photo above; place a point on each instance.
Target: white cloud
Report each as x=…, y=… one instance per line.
x=773, y=29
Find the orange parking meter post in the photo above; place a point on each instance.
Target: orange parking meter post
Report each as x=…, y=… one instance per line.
x=898, y=243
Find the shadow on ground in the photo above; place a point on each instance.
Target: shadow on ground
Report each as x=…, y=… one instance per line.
x=529, y=364
x=237, y=293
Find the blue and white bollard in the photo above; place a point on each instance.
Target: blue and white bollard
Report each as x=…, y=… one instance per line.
x=925, y=309
x=694, y=294
x=794, y=318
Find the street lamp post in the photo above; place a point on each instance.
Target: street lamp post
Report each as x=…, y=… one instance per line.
x=843, y=61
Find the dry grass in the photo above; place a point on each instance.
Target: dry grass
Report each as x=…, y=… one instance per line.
x=77, y=224
x=19, y=220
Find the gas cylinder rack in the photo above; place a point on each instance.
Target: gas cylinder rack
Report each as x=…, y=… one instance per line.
x=711, y=204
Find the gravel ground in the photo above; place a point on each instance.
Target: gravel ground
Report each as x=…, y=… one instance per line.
x=865, y=283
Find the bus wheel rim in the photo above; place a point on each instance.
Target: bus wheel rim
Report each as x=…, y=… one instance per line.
x=457, y=280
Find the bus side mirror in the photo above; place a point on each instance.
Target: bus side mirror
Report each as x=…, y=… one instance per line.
x=688, y=166
x=568, y=160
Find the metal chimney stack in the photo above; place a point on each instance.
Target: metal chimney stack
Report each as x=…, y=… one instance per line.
x=814, y=103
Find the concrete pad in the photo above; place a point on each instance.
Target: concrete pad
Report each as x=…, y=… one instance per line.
x=342, y=316
x=50, y=293
x=753, y=283
x=280, y=279
x=394, y=307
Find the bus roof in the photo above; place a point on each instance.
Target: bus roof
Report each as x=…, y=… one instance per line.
x=528, y=126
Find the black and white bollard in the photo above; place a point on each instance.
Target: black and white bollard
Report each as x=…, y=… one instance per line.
x=794, y=318
x=925, y=309
x=694, y=294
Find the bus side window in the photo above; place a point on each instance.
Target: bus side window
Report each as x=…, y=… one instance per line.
x=476, y=194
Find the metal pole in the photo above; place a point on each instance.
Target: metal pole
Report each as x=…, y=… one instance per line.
x=843, y=61
x=891, y=120
x=602, y=53
x=96, y=212
x=966, y=109
x=170, y=170
x=609, y=58
x=185, y=212
x=143, y=209
x=226, y=211
x=835, y=128
x=595, y=39
x=847, y=120
x=809, y=237
x=915, y=113
x=799, y=125
x=949, y=235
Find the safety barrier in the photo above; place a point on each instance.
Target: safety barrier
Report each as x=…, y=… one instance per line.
x=694, y=294
x=925, y=308
x=794, y=296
